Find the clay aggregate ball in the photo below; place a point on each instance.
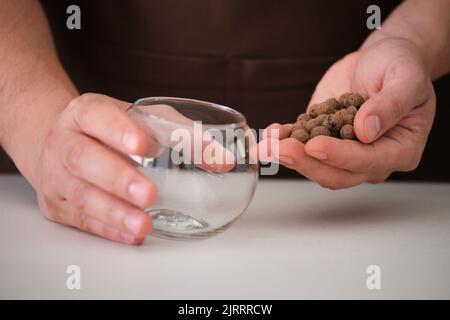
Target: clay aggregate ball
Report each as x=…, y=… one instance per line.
x=329, y=118
x=347, y=132
x=319, y=131
x=301, y=135
x=351, y=99
x=315, y=122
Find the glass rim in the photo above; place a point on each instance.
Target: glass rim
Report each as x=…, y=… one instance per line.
x=242, y=120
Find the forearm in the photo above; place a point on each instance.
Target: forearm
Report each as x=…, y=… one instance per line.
x=33, y=86
x=425, y=23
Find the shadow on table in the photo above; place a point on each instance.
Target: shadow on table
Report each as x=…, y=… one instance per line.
x=350, y=211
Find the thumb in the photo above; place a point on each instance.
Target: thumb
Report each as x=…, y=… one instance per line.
x=384, y=110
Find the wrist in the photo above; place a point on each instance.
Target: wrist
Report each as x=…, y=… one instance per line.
x=411, y=45
x=28, y=126
x=425, y=25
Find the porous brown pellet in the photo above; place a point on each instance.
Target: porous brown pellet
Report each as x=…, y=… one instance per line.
x=330, y=117
x=348, y=118
x=351, y=99
x=319, y=131
x=301, y=135
x=301, y=124
x=333, y=121
x=351, y=110
x=325, y=107
x=315, y=122
x=304, y=117
x=347, y=132
x=334, y=133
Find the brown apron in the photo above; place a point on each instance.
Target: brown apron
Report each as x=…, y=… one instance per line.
x=261, y=57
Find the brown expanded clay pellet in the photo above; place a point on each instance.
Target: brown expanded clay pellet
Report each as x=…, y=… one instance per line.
x=329, y=118
x=319, y=131
x=315, y=122
x=326, y=107
x=351, y=99
x=301, y=135
x=347, y=132
x=304, y=117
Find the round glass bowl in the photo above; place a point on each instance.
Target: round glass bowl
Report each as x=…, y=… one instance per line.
x=200, y=157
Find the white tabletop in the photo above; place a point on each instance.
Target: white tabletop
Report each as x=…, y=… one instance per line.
x=295, y=241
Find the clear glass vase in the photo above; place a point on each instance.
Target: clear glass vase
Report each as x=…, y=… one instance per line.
x=202, y=158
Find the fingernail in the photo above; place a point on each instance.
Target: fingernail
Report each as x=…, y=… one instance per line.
x=138, y=191
x=286, y=160
x=372, y=127
x=128, y=238
x=130, y=140
x=318, y=155
x=132, y=223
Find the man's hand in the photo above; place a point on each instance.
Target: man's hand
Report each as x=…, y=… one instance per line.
x=84, y=179
x=392, y=125
x=83, y=183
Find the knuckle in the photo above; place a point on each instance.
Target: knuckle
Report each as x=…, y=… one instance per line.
x=47, y=191
x=50, y=209
x=82, y=107
x=87, y=99
x=378, y=178
x=274, y=125
x=52, y=140
x=88, y=96
x=73, y=156
x=82, y=221
x=45, y=206
x=79, y=196
x=409, y=158
x=77, y=102
x=411, y=164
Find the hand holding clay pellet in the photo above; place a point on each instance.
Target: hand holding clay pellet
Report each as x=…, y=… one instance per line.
x=330, y=118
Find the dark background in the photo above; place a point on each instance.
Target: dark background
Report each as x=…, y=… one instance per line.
x=262, y=58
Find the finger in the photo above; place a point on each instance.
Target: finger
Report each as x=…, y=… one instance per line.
x=268, y=147
x=95, y=163
x=89, y=224
x=352, y=155
x=203, y=147
x=292, y=154
x=278, y=131
x=102, y=117
x=98, y=212
x=384, y=110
